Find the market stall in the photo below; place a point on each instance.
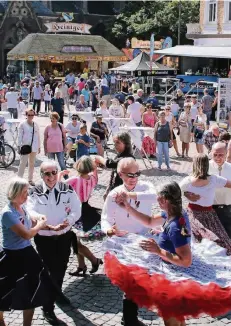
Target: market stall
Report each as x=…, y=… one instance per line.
x=58, y=53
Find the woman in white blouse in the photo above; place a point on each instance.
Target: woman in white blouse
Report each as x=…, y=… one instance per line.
x=203, y=218
x=116, y=110
x=28, y=134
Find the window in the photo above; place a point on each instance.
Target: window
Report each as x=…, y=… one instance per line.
x=212, y=11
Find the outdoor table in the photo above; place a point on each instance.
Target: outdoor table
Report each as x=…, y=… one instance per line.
x=5, y=114
x=12, y=128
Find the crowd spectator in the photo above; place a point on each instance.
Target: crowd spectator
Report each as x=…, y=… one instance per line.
x=124, y=87
x=185, y=126
x=116, y=110
x=105, y=93
x=135, y=110
x=94, y=97
x=58, y=89
x=135, y=86
x=65, y=95
x=47, y=98
x=25, y=92
x=37, y=95
x=85, y=91
x=21, y=107
x=113, y=83
x=57, y=105
x=149, y=119
x=211, y=136
x=83, y=141
x=214, y=107
x=55, y=140
x=99, y=133
x=11, y=98
x=172, y=122
x=81, y=85
x=203, y=219
x=40, y=79
x=163, y=138
x=199, y=129
x=91, y=84
x=62, y=208
x=180, y=98
x=207, y=103
x=102, y=110
x=72, y=129
x=193, y=111
x=175, y=108
x=153, y=100
x=139, y=96
x=70, y=79
x=18, y=259
x=81, y=105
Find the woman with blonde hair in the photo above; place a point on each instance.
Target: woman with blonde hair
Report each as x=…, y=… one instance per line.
x=204, y=220
x=88, y=226
x=185, y=129
x=28, y=144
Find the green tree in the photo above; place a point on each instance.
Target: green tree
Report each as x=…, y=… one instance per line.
x=141, y=18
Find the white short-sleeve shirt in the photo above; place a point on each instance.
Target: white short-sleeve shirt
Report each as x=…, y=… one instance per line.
x=206, y=193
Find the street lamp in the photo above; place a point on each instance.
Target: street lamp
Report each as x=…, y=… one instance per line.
x=179, y=21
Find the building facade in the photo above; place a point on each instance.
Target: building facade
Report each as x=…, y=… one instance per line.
x=20, y=18
x=214, y=28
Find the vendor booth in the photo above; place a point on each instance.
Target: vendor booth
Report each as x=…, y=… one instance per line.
x=58, y=53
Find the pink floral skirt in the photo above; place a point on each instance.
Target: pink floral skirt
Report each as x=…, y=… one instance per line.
x=149, y=146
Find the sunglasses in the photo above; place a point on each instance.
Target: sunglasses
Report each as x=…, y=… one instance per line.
x=167, y=109
x=74, y=118
x=132, y=175
x=49, y=174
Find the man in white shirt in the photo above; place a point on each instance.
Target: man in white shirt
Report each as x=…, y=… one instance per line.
x=222, y=203
x=62, y=208
x=116, y=221
x=37, y=93
x=135, y=111
x=65, y=95
x=12, y=102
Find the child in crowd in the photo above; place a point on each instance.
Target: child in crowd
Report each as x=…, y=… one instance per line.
x=88, y=226
x=83, y=141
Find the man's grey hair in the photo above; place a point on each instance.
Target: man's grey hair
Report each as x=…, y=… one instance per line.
x=49, y=164
x=125, y=163
x=140, y=90
x=219, y=145
x=16, y=187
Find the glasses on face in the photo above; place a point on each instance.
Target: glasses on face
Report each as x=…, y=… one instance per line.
x=132, y=175
x=49, y=174
x=167, y=109
x=74, y=118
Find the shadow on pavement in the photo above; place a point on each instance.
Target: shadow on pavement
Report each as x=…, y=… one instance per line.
x=166, y=173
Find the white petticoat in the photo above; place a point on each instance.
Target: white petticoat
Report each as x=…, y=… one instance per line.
x=210, y=263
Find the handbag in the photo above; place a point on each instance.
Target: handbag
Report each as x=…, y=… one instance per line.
x=27, y=149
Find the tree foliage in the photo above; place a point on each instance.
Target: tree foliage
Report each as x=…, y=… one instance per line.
x=141, y=18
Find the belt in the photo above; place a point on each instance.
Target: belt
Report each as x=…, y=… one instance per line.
x=221, y=206
x=195, y=207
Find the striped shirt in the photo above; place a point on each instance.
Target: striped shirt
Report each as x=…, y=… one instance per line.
x=84, y=187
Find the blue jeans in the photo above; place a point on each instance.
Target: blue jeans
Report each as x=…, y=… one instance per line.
x=60, y=158
x=163, y=149
x=208, y=115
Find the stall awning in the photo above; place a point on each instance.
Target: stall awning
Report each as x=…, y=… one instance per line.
x=198, y=51
x=65, y=47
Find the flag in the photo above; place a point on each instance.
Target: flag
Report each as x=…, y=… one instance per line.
x=152, y=48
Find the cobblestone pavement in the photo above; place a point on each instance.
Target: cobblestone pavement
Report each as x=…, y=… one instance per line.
x=94, y=300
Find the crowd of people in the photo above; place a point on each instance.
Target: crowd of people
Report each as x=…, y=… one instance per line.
x=56, y=212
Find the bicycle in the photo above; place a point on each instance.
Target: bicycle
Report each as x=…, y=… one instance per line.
x=7, y=152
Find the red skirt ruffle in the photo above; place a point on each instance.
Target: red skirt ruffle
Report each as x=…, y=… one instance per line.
x=182, y=299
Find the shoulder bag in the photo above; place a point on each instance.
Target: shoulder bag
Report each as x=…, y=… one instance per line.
x=60, y=127
x=27, y=149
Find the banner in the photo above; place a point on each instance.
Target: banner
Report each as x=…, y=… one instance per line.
x=68, y=28
x=224, y=99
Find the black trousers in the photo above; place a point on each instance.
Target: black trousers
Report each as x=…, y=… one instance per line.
x=37, y=103
x=47, y=106
x=61, y=114
x=55, y=252
x=224, y=215
x=130, y=312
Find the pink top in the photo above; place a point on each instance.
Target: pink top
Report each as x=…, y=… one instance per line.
x=81, y=85
x=149, y=120
x=54, y=142
x=84, y=187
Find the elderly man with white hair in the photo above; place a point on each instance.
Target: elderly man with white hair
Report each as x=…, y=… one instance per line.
x=116, y=221
x=62, y=208
x=211, y=136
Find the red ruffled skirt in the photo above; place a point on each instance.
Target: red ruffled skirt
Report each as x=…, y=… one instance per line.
x=181, y=299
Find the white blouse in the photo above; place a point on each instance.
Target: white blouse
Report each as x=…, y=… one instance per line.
x=25, y=132
x=206, y=193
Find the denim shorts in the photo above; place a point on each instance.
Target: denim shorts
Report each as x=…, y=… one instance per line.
x=199, y=141
x=70, y=140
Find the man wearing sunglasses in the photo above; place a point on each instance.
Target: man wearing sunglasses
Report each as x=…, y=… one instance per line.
x=116, y=221
x=62, y=208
